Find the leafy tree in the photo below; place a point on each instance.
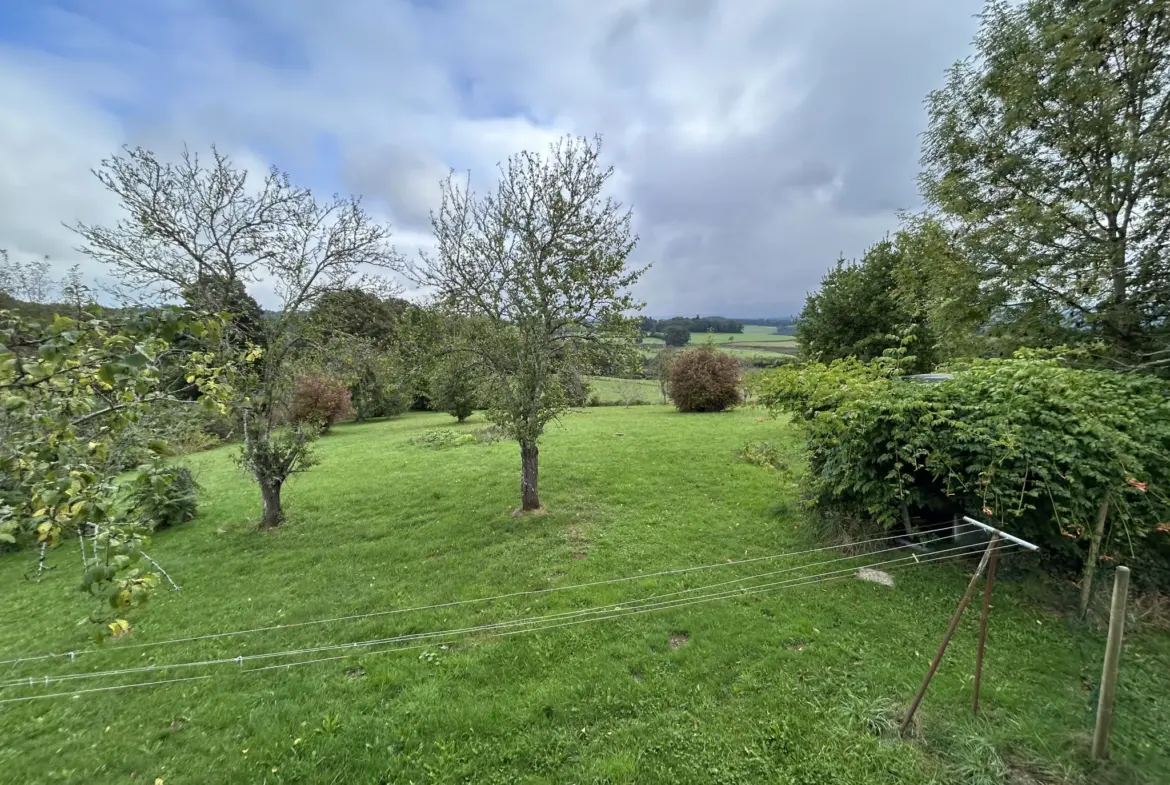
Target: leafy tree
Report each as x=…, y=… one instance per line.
x=359, y=312
x=936, y=285
x=203, y=231
x=453, y=388
x=676, y=335
x=28, y=281
x=541, y=264
x=75, y=292
x=68, y=389
x=1050, y=152
x=704, y=379
x=855, y=313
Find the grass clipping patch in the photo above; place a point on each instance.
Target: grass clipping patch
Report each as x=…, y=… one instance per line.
x=443, y=438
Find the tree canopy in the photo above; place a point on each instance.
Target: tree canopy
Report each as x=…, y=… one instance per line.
x=1049, y=153
x=539, y=265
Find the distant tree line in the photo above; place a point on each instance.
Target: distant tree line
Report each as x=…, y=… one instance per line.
x=698, y=324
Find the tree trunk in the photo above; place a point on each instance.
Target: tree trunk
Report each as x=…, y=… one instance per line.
x=270, y=495
x=529, y=470
x=1091, y=561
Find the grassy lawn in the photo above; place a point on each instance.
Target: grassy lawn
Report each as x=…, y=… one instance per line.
x=609, y=388
x=792, y=686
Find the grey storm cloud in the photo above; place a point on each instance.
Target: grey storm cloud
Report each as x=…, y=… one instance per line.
x=755, y=140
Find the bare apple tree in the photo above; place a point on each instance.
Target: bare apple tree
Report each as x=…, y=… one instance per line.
x=200, y=232
x=540, y=265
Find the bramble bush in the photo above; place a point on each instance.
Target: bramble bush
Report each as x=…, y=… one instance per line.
x=704, y=379
x=163, y=496
x=1074, y=460
x=320, y=401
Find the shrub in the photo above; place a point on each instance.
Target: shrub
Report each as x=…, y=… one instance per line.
x=163, y=496
x=704, y=379
x=320, y=401
x=1033, y=446
x=453, y=390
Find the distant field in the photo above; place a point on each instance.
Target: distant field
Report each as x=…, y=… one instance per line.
x=753, y=337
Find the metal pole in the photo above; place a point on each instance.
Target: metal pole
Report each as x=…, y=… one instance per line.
x=988, y=586
x=950, y=631
x=1112, y=659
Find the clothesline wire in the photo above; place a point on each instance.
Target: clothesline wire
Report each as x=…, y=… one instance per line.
x=804, y=580
x=524, y=622
x=71, y=655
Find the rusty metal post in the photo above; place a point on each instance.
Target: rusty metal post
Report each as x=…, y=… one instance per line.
x=988, y=586
x=950, y=631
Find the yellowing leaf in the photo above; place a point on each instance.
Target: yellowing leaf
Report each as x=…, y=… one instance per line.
x=119, y=627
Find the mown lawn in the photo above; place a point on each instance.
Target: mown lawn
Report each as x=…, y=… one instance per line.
x=612, y=389
x=793, y=686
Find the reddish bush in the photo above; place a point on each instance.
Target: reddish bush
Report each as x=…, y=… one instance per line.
x=704, y=379
x=319, y=400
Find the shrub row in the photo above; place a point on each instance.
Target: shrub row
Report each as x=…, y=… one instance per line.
x=1074, y=460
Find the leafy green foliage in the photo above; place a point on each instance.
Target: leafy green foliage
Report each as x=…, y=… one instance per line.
x=68, y=390
x=1049, y=152
x=703, y=379
x=676, y=335
x=1027, y=442
x=855, y=312
x=453, y=388
x=162, y=496
x=358, y=313
x=937, y=285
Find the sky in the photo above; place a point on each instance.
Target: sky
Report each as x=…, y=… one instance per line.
x=754, y=140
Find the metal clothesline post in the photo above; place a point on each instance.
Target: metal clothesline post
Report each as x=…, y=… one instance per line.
x=989, y=562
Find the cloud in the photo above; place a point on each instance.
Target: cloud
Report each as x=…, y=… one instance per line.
x=755, y=140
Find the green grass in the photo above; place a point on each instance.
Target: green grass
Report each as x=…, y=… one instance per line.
x=609, y=389
x=793, y=686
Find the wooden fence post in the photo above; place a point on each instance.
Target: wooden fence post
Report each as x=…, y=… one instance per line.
x=1112, y=659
